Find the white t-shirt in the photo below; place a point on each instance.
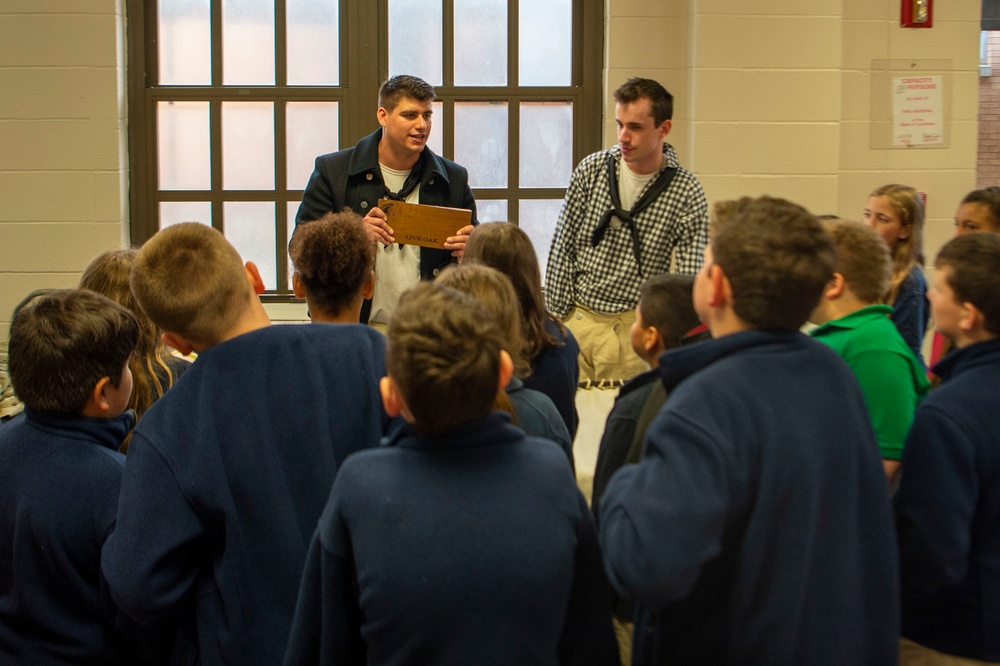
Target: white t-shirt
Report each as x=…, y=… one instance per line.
x=630, y=185
x=397, y=268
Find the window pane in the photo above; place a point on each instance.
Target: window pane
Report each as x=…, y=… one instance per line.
x=545, y=43
x=247, y=42
x=248, y=145
x=415, y=44
x=546, y=156
x=436, y=140
x=175, y=212
x=183, y=148
x=311, y=129
x=184, y=38
x=480, y=42
x=313, y=35
x=481, y=142
x=537, y=217
x=491, y=210
x=249, y=227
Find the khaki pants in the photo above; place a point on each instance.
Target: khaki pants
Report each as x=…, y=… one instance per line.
x=606, y=353
x=915, y=654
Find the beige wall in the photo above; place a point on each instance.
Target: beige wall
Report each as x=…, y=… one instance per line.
x=62, y=122
x=771, y=98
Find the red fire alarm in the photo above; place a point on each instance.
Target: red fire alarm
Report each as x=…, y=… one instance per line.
x=917, y=14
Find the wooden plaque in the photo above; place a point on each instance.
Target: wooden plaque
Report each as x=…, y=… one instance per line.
x=423, y=225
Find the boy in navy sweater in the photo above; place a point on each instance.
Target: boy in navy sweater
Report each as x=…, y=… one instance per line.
x=60, y=472
x=463, y=541
x=757, y=529
x=228, y=473
x=948, y=503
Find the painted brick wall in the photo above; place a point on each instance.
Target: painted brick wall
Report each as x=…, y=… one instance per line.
x=988, y=163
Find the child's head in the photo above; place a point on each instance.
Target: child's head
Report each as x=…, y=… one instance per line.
x=69, y=350
x=965, y=298
x=896, y=212
x=108, y=275
x=979, y=211
x=334, y=262
x=444, y=359
x=862, y=258
x=507, y=248
x=775, y=257
x=192, y=283
x=494, y=290
x=665, y=313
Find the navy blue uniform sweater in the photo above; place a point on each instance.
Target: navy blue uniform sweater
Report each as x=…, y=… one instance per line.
x=948, y=509
x=556, y=373
x=226, y=477
x=757, y=528
x=471, y=548
x=59, y=483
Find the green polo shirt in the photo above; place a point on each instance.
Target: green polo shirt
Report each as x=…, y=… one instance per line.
x=892, y=379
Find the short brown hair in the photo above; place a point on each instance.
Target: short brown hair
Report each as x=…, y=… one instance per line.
x=494, y=290
x=777, y=259
x=191, y=282
x=863, y=258
x=443, y=354
x=334, y=258
x=394, y=89
x=62, y=343
x=665, y=303
x=974, y=261
x=661, y=101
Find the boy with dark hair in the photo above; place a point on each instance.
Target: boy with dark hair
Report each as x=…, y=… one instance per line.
x=948, y=502
x=60, y=472
x=853, y=322
x=663, y=317
x=491, y=556
x=228, y=473
x=334, y=267
x=757, y=527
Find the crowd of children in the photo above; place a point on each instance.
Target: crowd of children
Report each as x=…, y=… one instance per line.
x=327, y=494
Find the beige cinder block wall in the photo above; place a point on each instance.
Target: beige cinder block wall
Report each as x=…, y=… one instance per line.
x=62, y=142
x=774, y=97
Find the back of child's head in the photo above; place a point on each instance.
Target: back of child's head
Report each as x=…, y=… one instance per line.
x=777, y=259
x=974, y=263
x=862, y=258
x=333, y=258
x=443, y=353
x=62, y=343
x=494, y=290
x=989, y=199
x=191, y=282
x=665, y=303
x=507, y=248
x=108, y=275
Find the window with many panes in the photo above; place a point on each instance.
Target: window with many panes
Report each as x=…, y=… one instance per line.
x=232, y=100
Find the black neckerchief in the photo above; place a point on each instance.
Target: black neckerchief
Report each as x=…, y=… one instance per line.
x=661, y=183
x=410, y=184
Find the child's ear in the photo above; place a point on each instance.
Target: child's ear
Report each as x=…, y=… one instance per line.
x=391, y=399
x=905, y=231
x=253, y=277
x=652, y=342
x=97, y=402
x=971, y=318
x=835, y=287
x=177, y=342
x=297, y=288
x=721, y=290
x=369, y=286
x=506, y=370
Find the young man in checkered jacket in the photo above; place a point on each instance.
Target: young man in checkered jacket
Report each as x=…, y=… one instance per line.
x=630, y=212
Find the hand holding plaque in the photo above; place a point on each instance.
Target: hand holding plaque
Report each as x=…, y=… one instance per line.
x=423, y=225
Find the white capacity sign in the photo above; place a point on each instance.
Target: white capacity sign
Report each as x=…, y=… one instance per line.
x=916, y=111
